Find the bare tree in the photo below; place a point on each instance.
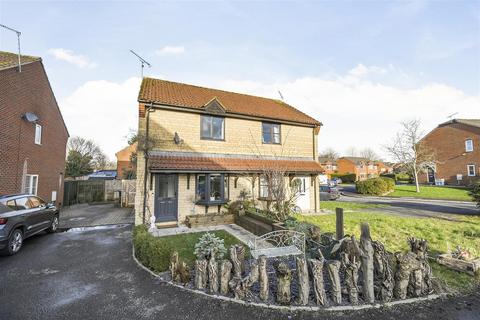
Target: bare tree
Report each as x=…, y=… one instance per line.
x=368, y=154
x=330, y=154
x=88, y=148
x=408, y=149
x=351, y=151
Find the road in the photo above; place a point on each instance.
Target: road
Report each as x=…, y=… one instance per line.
x=413, y=207
x=90, y=274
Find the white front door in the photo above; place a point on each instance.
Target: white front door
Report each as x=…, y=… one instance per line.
x=303, y=200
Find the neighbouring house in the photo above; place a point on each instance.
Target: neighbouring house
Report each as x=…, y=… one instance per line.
x=126, y=169
x=329, y=165
x=361, y=167
x=208, y=147
x=384, y=167
x=33, y=135
x=456, y=144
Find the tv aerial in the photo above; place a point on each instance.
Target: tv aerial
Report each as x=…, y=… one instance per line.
x=18, y=41
x=452, y=115
x=143, y=62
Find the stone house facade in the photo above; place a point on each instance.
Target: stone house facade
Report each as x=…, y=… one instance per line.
x=456, y=144
x=33, y=133
x=207, y=147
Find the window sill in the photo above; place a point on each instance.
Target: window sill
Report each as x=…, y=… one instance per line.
x=212, y=139
x=266, y=199
x=211, y=203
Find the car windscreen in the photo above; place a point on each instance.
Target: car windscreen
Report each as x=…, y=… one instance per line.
x=4, y=208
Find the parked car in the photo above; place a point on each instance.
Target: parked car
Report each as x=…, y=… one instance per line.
x=329, y=193
x=22, y=216
x=336, y=180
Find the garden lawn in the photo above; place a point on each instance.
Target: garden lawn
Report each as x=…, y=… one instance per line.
x=155, y=252
x=432, y=192
x=393, y=231
x=348, y=206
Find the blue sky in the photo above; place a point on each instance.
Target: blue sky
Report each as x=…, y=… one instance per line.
x=375, y=56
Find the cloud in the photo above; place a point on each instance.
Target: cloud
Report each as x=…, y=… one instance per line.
x=103, y=111
x=170, y=50
x=362, y=113
x=362, y=70
x=69, y=56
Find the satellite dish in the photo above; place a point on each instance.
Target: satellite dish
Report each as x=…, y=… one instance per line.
x=30, y=117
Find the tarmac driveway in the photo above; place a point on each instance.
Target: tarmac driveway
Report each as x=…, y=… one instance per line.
x=83, y=215
x=90, y=274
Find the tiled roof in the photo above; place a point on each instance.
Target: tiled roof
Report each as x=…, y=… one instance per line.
x=326, y=159
x=9, y=60
x=356, y=160
x=190, y=96
x=468, y=122
x=198, y=163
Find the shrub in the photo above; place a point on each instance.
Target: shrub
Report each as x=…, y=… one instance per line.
x=401, y=177
x=475, y=193
x=346, y=178
x=210, y=243
x=155, y=255
x=375, y=186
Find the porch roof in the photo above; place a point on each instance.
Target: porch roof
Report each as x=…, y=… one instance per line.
x=230, y=164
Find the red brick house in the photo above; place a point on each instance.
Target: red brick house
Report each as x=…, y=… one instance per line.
x=125, y=166
x=33, y=133
x=361, y=167
x=456, y=144
x=329, y=165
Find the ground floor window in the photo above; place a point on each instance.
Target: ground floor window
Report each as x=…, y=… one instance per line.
x=471, y=170
x=212, y=188
x=31, y=184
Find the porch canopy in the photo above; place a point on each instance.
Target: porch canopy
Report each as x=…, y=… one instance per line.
x=193, y=162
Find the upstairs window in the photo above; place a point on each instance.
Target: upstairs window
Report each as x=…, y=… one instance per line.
x=270, y=133
x=468, y=145
x=212, y=128
x=38, y=134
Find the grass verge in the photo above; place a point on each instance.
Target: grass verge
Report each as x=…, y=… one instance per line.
x=154, y=252
x=432, y=192
x=348, y=206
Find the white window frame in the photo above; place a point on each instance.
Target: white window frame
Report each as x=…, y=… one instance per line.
x=29, y=184
x=474, y=170
x=469, y=145
x=38, y=134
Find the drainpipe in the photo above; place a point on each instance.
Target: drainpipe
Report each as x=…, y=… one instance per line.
x=145, y=154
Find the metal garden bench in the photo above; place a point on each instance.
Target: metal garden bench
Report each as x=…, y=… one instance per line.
x=278, y=244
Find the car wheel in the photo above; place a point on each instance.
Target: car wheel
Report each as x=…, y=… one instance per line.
x=15, y=242
x=54, y=226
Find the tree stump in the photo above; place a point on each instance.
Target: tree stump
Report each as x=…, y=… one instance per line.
x=333, y=267
x=406, y=264
x=241, y=256
x=366, y=249
x=213, y=275
x=174, y=266
x=263, y=277
x=318, y=281
x=351, y=266
x=183, y=273
x=284, y=279
x=303, y=281
x=201, y=274
x=383, y=274
x=237, y=267
x=225, y=276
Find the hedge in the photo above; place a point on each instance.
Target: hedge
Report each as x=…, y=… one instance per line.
x=402, y=177
x=375, y=186
x=152, y=253
x=346, y=177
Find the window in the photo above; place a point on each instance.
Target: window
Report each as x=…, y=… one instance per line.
x=212, y=188
x=471, y=170
x=23, y=203
x=469, y=145
x=263, y=187
x=212, y=128
x=31, y=184
x=38, y=134
x=270, y=133
x=11, y=204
